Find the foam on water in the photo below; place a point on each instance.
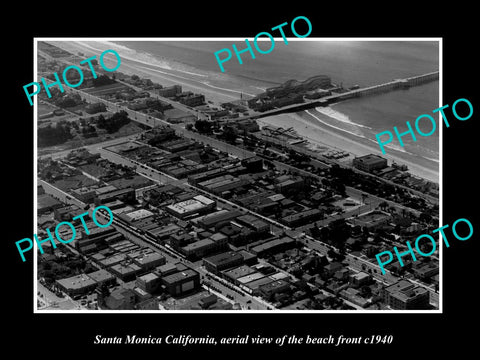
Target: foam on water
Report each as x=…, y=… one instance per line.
x=337, y=115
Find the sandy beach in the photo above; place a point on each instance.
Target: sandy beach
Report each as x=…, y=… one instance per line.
x=231, y=89
x=316, y=133
x=303, y=122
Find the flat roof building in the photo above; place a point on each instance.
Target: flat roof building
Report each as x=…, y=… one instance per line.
x=217, y=218
x=148, y=282
x=149, y=261
x=273, y=246
x=223, y=261
x=404, y=295
x=76, y=285
x=137, y=215
x=253, y=287
x=102, y=276
x=182, y=282
x=370, y=162
x=237, y=272
x=198, y=205
x=202, y=248
x=165, y=270
x=126, y=272
x=250, y=277
x=254, y=223
x=274, y=287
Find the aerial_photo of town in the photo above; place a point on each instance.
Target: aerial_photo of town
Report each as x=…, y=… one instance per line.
x=260, y=188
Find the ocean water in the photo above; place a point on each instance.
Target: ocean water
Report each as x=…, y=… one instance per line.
x=348, y=63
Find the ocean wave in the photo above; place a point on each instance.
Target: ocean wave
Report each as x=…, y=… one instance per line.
x=394, y=147
x=142, y=57
x=337, y=115
x=390, y=146
x=402, y=149
x=127, y=53
x=206, y=83
x=333, y=126
x=155, y=61
x=431, y=159
x=166, y=73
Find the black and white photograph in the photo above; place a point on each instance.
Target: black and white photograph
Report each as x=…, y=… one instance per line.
x=186, y=180
x=262, y=187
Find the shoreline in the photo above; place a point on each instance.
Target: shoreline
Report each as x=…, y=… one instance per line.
x=304, y=123
x=320, y=135
x=229, y=90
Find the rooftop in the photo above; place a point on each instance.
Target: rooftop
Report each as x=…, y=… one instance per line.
x=370, y=159
x=239, y=272
x=139, y=214
x=76, y=282
x=251, y=277
x=223, y=258
x=191, y=205
x=101, y=275
x=198, y=244
x=179, y=276
x=126, y=269
x=148, y=277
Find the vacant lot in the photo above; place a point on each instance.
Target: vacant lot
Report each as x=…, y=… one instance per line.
x=106, y=89
x=73, y=182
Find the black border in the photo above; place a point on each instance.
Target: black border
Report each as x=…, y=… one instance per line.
x=414, y=334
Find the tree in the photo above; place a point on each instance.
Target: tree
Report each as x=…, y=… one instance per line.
x=101, y=122
x=114, y=123
x=383, y=205
x=203, y=126
x=48, y=136
x=425, y=217
x=365, y=291
x=340, y=231
x=230, y=134
x=102, y=80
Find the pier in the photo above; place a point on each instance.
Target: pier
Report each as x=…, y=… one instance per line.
x=381, y=88
x=395, y=84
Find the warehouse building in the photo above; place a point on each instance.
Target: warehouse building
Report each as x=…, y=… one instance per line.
x=273, y=246
x=198, y=205
x=217, y=219
x=223, y=261
x=182, y=282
